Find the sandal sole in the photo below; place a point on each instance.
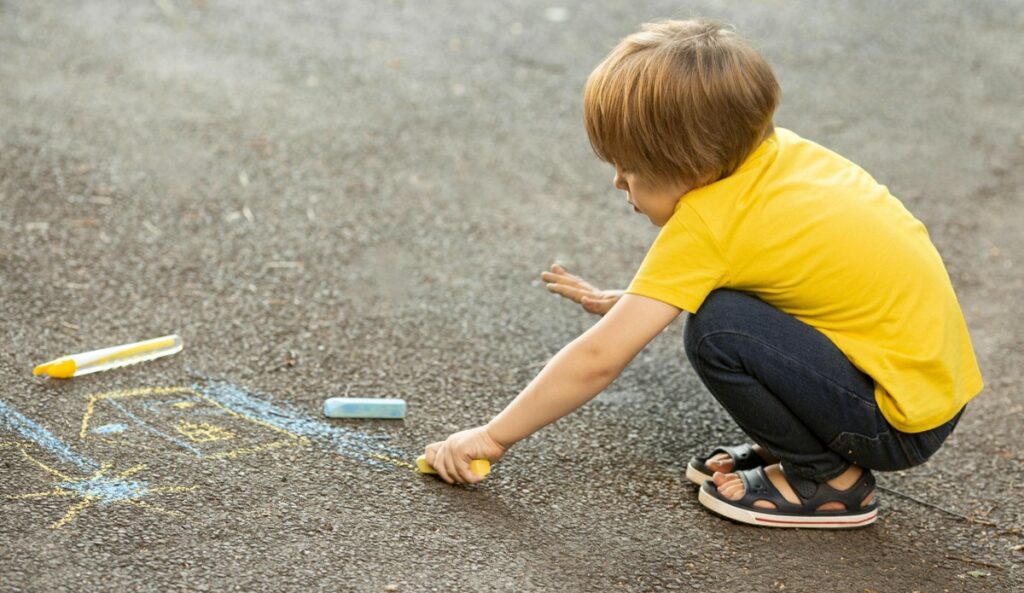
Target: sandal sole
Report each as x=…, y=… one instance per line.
x=751, y=517
x=695, y=475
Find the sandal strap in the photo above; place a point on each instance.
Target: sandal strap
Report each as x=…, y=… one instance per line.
x=805, y=488
x=814, y=494
x=757, y=486
x=743, y=456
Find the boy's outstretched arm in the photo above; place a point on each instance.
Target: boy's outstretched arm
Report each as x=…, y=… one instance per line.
x=579, y=371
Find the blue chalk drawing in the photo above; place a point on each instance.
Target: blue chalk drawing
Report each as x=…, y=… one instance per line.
x=97, y=485
x=182, y=417
x=107, y=490
x=114, y=428
x=98, y=488
x=13, y=421
x=143, y=425
x=349, y=443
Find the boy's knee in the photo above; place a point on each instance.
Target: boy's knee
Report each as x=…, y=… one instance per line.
x=724, y=313
x=714, y=314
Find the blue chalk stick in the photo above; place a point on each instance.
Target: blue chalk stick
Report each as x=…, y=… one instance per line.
x=364, y=407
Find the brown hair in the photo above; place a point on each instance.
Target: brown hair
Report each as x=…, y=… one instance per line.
x=680, y=101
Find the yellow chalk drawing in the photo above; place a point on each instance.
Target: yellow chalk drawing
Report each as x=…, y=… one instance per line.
x=393, y=461
x=183, y=417
x=161, y=419
x=204, y=432
x=99, y=488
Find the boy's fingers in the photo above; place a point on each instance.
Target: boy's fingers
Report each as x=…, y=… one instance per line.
x=467, y=476
x=559, y=270
x=443, y=468
x=561, y=279
x=430, y=452
x=584, y=289
x=570, y=292
x=436, y=460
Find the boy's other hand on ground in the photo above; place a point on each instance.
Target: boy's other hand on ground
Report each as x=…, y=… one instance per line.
x=451, y=456
x=592, y=299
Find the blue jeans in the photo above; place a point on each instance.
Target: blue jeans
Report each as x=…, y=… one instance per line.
x=794, y=393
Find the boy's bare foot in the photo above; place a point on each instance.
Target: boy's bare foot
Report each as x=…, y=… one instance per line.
x=731, y=487
x=723, y=462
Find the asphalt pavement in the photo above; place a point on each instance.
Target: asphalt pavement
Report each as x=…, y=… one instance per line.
x=356, y=198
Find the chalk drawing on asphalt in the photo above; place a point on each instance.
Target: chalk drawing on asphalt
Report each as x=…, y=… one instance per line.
x=346, y=442
x=207, y=420
x=181, y=417
x=88, y=484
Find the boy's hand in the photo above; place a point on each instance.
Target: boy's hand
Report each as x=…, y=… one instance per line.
x=593, y=299
x=451, y=456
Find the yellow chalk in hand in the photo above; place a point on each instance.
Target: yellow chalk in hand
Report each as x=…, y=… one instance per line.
x=480, y=467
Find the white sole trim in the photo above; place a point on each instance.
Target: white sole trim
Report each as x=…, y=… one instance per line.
x=696, y=476
x=751, y=517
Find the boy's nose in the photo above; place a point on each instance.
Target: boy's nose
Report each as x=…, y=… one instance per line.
x=619, y=182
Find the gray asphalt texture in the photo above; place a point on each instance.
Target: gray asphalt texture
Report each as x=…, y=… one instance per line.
x=329, y=198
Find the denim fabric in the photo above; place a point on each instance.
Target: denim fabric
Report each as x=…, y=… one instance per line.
x=794, y=393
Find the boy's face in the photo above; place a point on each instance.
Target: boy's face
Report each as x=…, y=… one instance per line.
x=656, y=201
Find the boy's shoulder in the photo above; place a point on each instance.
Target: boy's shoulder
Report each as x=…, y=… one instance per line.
x=788, y=162
x=786, y=169
x=796, y=150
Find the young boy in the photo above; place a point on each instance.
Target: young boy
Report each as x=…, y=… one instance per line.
x=821, y=315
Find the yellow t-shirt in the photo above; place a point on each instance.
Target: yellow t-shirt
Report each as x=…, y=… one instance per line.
x=815, y=236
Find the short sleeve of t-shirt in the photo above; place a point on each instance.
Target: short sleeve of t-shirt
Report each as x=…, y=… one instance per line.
x=683, y=265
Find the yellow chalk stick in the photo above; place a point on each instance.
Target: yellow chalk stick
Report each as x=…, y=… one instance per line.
x=480, y=467
x=108, y=358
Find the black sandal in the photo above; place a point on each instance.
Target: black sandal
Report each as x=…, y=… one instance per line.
x=812, y=495
x=743, y=457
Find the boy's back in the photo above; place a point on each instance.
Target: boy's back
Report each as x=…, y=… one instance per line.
x=814, y=235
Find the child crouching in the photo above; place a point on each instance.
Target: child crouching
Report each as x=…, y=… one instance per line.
x=821, y=316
